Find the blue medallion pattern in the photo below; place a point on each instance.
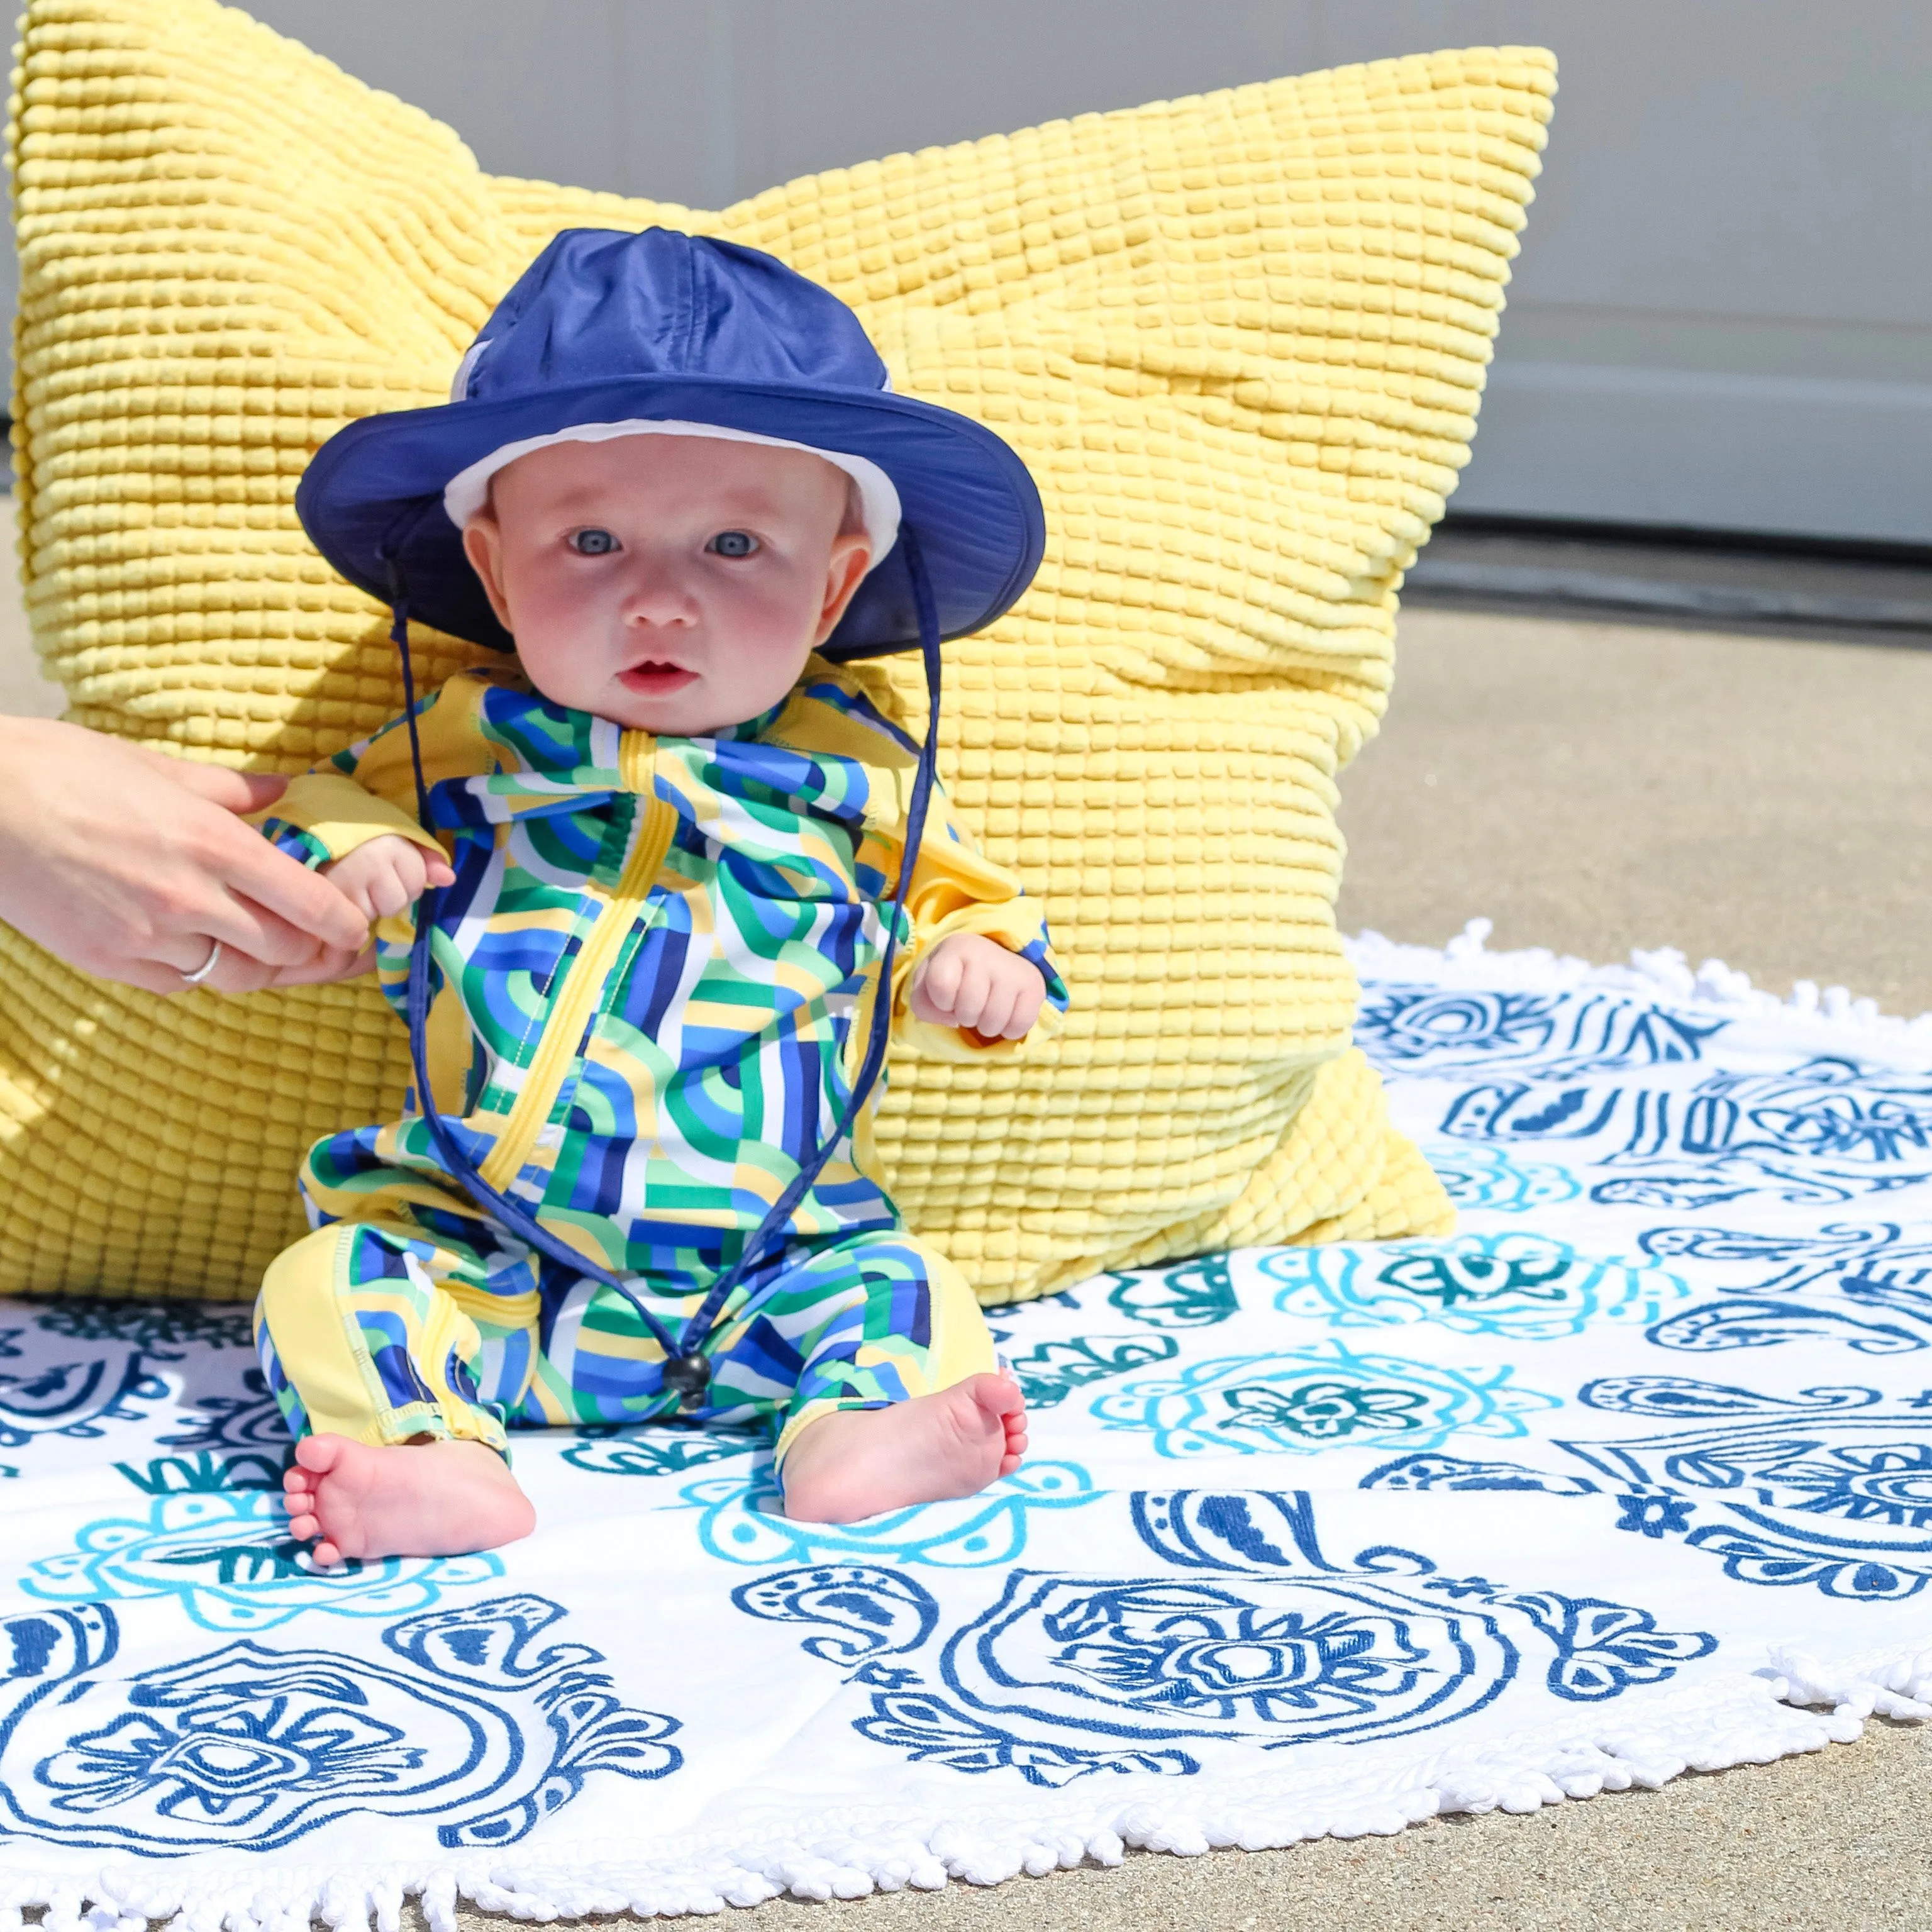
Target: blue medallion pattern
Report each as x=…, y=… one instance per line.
x=479, y=1721
x=1838, y=1497
x=1248, y=1635
x=76, y=1369
x=1867, y=1288
x=1556, y=1035
x=1828, y=1131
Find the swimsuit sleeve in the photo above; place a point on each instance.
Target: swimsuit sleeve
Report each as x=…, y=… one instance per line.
x=956, y=888
x=368, y=791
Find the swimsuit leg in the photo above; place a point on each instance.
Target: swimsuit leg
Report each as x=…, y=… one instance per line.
x=861, y=1323
x=598, y=1362
x=380, y=1333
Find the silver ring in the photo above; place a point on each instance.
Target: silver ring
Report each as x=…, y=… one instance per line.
x=206, y=966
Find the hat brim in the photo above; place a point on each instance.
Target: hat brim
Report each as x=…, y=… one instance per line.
x=371, y=501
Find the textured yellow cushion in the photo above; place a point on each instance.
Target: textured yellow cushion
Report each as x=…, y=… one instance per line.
x=1240, y=339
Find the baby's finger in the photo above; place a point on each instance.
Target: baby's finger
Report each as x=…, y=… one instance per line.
x=1027, y=1000
x=438, y=869
x=973, y=987
x=388, y=894
x=941, y=979
x=998, y=1010
x=410, y=863
x=330, y=965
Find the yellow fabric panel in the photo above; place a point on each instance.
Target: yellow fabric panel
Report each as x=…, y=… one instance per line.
x=337, y=812
x=1240, y=338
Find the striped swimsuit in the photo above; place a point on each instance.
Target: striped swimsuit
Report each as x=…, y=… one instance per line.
x=653, y=981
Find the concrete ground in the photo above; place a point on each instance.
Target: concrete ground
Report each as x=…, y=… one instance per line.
x=1591, y=787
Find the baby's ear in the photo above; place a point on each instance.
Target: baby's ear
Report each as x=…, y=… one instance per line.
x=851, y=557
x=483, y=545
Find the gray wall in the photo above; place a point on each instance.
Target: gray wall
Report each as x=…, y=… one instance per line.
x=1722, y=316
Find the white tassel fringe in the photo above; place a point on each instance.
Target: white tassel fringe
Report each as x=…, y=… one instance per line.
x=1663, y=973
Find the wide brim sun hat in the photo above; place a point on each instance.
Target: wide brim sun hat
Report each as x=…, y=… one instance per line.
x=610, y=333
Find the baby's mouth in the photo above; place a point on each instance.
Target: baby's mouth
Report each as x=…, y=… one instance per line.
x=656, y=680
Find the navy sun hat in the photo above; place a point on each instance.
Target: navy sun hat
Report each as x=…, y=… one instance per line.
x=608, y=333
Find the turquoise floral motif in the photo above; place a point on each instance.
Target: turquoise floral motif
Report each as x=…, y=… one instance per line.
x=1309, y=1399
x=1523, y=1285
x=227, y=1556
x=1196, y=1295
x=740, y=1522
x=1486, y=1178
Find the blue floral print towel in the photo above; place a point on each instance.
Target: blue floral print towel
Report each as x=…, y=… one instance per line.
x=1632, y=1474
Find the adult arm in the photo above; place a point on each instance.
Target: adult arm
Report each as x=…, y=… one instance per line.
x=129, y=864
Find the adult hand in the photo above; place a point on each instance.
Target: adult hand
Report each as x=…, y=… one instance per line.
x=130, y=865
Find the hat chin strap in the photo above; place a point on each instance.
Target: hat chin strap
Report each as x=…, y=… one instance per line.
x=687, y=1370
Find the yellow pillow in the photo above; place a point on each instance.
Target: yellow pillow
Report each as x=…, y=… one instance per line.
x=1240, y=339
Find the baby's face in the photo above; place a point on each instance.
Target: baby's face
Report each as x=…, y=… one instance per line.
x=673, y=584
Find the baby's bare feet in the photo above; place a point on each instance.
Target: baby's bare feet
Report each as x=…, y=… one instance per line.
x=859, y=1462
x=433, y=1498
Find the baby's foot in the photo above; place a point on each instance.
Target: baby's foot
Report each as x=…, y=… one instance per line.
x=432, y=1498
x=858, y=1462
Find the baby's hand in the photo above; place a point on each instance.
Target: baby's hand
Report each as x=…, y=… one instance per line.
x=388, y=874
x=980, y=987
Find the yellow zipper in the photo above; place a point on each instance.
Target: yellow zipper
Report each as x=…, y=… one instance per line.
x=583, y=988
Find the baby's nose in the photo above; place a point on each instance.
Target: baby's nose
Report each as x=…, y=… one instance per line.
x=659, y=597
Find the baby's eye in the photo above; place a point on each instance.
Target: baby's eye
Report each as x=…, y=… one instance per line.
x=592, y=542
x=732, y=543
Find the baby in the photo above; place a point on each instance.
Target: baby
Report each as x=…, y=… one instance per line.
x=664, y=851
